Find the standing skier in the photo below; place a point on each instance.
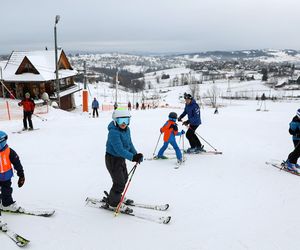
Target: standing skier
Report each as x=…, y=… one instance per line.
x=9, y=158
x=28, y=108
x=119, y=147
x=193, y=111
x=295, y=154
x=95, y=107
x=170, y=130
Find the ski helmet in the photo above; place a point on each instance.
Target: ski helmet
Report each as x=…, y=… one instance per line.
x=173, y=115
x=27, y=95
x=187, y=96
x=3, y=139
x=298, y=113
x=121, y=113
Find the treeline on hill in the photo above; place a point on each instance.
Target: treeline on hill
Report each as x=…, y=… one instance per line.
x=132, y=81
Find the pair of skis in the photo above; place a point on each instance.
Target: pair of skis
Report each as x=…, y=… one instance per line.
x=281, y=166
x=24, y=131
x=18, y=239
x=100, y=203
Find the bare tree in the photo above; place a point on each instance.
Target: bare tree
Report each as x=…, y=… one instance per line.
x=194, y=89
x=212, y=94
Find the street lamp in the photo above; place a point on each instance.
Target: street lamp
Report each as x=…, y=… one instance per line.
x=57, y=17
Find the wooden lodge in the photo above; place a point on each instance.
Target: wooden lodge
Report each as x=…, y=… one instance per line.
x=34, y=72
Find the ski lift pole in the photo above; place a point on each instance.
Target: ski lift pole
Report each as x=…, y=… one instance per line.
x=156, y=144
x=126, y=188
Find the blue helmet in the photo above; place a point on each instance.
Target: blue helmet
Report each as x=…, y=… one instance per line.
x=298, y=113
x=3, y=139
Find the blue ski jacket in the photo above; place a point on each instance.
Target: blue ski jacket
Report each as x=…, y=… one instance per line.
x=295, y=128
x=119, y=142
x=95, y=104
x=193, y=112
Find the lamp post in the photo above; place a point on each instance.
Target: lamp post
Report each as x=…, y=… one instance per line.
x=57, y=17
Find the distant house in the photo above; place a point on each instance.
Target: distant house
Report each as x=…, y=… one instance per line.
x=34, y=72
x=294, y=80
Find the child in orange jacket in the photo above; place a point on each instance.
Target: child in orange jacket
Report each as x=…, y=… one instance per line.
x=170, y=130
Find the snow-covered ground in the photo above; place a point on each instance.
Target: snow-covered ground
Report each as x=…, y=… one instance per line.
x=229, y=201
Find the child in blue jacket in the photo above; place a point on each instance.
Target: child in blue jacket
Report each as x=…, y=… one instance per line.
x=170, y=130
x=119, y=147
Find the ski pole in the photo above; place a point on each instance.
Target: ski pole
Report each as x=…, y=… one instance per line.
x=205, y=141
x=123, y=195
x=42, y=118
x=189, y=127
x=156, y=144
x=183, y=147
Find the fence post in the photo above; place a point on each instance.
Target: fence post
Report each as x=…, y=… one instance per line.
x=7, y=107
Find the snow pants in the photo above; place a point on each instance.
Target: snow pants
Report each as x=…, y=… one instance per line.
x=293, y=156
x=95, y=111
x=174, y=145
x=117, y=169
x=6, y=193
x=27, y=116
x=192, y=137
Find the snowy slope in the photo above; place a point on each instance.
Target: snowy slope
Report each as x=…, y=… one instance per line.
x=230, y=201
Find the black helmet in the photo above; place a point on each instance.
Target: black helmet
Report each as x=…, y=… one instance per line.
x=187, y=96
x=173, y=115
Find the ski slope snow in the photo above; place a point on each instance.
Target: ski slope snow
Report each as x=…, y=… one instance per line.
x=228, y=201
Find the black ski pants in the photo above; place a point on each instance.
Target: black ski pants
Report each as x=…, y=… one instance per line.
x=6, y=193
x=27, y=116
x=293, y=156
x=192, y=137
x=117, y=169
x=95, y=110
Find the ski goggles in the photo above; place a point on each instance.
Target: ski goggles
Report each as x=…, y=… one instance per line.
x=123, y=120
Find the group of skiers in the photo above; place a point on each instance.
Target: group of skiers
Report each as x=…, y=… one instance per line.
x=119, y=147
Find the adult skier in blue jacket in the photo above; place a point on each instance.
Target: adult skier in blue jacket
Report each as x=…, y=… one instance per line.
x=119, y=147
x=192, y=110
x=295, y=154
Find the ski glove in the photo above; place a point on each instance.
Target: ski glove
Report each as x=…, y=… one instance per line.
x=21, y=181
x=182, y=132
x=174, y=127
x=187, y=122
x=138, y=158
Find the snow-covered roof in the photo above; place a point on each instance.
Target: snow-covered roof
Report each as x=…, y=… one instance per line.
x=43, y=61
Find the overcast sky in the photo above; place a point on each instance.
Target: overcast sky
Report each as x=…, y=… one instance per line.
x=150, y=25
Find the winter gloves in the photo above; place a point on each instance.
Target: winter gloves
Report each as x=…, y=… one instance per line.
x=21, y=181
x=138, y=158
x=186, y=123
x=182, y=132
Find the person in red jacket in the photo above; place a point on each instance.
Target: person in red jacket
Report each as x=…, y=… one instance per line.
x=28, y=108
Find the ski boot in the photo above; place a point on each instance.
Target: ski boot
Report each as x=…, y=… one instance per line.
x=123, y=209
x=191, y=150
x=14, y=207
x=200, y=149
x=292, y=167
